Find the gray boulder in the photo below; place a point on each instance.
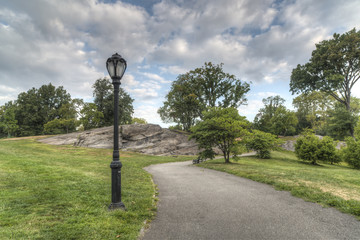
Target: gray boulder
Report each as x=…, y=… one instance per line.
x=143, y=138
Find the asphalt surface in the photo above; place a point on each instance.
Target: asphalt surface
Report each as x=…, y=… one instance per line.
x=197, y=203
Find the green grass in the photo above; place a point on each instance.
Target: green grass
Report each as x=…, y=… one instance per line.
x=329, y=185
x=63, y=192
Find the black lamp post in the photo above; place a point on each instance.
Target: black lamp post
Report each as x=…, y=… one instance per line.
x=116, y=66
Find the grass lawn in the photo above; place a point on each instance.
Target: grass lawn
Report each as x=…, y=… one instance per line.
x=63, y=192
x=328, y=185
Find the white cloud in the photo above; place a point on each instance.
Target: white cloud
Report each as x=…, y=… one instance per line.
x=155, y=77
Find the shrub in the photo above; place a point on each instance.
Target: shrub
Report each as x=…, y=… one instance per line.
x=327, y=151
x=306, y=147
x=311, y=148
x=262, y=143
x=351, y=153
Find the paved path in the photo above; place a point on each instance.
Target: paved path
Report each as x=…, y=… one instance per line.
x=197, y=203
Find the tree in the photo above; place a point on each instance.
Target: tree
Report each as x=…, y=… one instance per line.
x=334, y=68
x=8, y=123
x=262, y=143
x=200, y=89
x=36, y=107
x=104, y=100
x=312, y=110
x=283, y=122
x=138, y=121
x=275, y=118
x=221, y=128
x=58, y=126
x=90, y=116
x=262, y=120
x=340, y=121
x=182, y=103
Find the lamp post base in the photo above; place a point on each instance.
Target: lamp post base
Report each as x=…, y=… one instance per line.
x=119, y=205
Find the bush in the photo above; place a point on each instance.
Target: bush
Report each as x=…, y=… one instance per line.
x=327, y=151
x=262, y=143
x=351, y=153
x=311, y=148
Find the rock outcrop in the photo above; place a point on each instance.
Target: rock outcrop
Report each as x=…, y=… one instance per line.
x=142, y=138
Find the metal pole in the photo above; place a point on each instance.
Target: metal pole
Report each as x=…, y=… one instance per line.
x=116, y=164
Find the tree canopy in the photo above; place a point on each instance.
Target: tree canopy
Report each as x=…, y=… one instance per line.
x=104, y=101
x=199, y=89
x=334, y=68
x=221, y=128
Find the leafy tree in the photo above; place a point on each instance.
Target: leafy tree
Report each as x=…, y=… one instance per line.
x=262, y=120
x=221, y=128
x=334, y=68
x=200, y=89
x=67, y=118
x=36, y=107
x=283, y=122
x=340, y=122
x=58, y=126
x=104, y=100
x=312, y=110
x=8, y=123
x=90, y=116
x=138, y=120
x=182, y=103
x=262, y=143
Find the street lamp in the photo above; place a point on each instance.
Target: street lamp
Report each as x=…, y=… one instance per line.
x=116, y=66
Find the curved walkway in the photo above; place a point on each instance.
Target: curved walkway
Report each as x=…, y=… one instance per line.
x=197, y=203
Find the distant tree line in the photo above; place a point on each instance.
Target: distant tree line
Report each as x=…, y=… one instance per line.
x=51, y=110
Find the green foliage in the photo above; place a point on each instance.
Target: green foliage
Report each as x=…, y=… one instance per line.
x=340, y=122
x=262, y=120
x=312, y=110
x=8, y=122
x=311, y=148
x=36, y=107
x=176, y=128
x=351, y=153
x=334, y=68
x=221, y=128
x=138, y=120
x=327, y=151
x=262, y=143
x=104, y=100
x=59, y=126
x=283, y=122
x=182, y=104
x=199, y=89
x=357, y=130
x=275, y=118
x=90, y=116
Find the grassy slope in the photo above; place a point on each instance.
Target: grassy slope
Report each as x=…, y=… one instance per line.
x=329, y=185
x=62, y=192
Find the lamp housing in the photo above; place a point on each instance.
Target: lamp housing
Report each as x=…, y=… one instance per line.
x=116, y=66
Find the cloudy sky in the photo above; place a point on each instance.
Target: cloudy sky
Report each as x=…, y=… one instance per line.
x=67, y=42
